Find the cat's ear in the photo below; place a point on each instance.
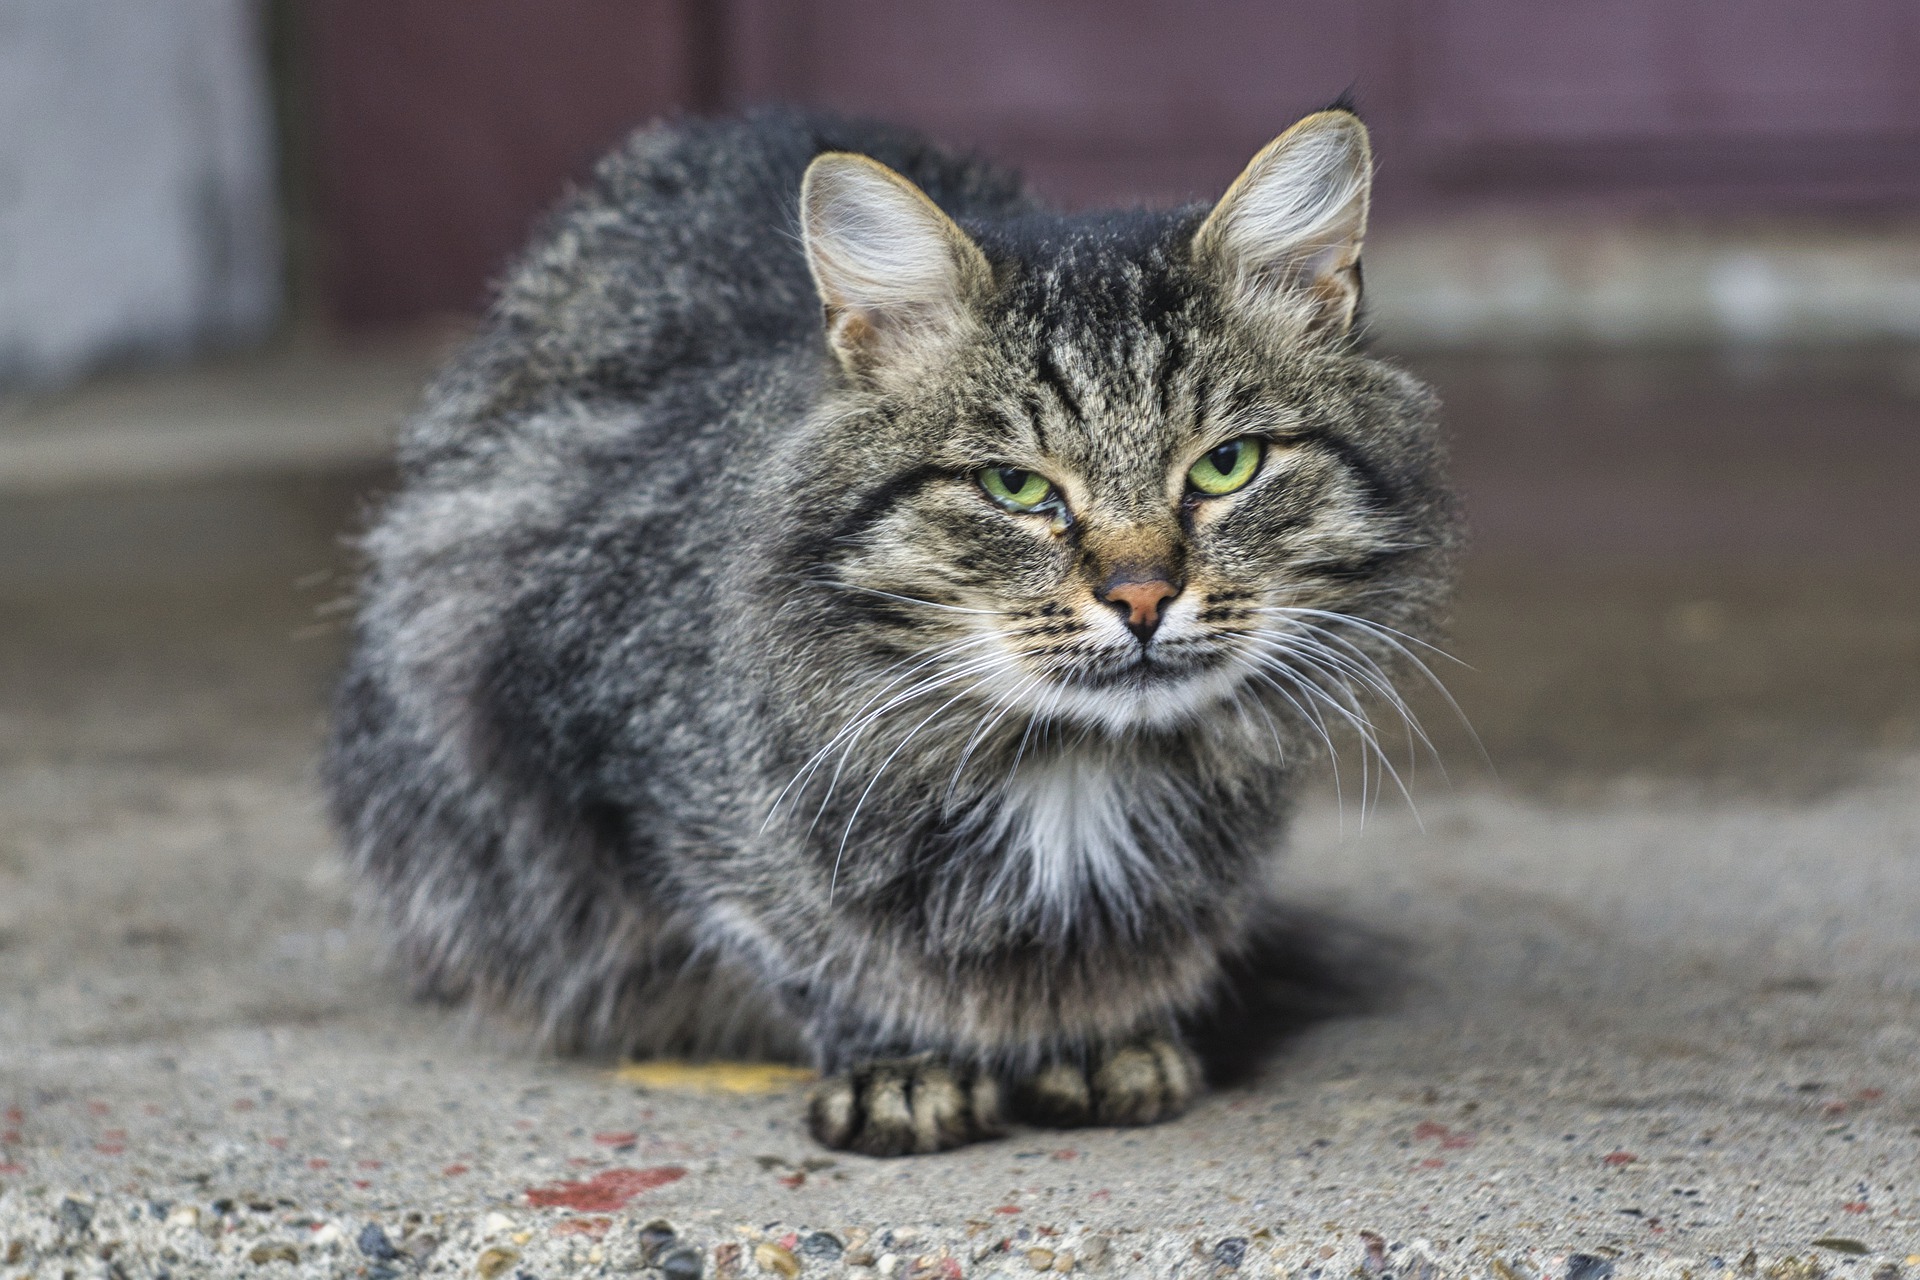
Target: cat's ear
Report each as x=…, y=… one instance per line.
x=1284, y=242
x=896, y=277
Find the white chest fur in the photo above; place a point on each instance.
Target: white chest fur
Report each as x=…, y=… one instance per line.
x=1079, y=828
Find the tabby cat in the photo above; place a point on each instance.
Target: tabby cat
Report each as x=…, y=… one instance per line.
x=839, y=610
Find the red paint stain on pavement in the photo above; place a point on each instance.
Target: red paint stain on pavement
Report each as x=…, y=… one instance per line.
x=369, y=1164
x=595, y=1227
x=152, y=1109
x=794, y=1181
x=604, y=1192
x=319, y=1162
x=1855, y=1206
x=98, y=1108
x=1449, y=1140
x=16, y=1115
x=8, y=1166
x=621, y=1139
x=278, y=1144
x=947, y=1269
x=111, y=1148
x=1618, y=1158
x=11, y=1135
x=1869, y=1095
x=1006, y=1208
x=1102, y=1194
x=1834, y=1109
x=1433, y=1162
x=361, y=1183
x=523, y=1125
x=244, y=1104
x=453, y=1170
x=1066, y=1153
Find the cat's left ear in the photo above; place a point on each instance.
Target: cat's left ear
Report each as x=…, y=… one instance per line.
x=896, y=277
x=1284, y=242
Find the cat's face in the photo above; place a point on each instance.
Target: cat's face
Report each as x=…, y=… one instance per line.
x=1122, y=475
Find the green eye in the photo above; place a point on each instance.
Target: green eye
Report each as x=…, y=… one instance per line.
x=1014, y=489
x=1227, y=467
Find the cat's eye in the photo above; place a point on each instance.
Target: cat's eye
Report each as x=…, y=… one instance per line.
x=1016, y=490
x=1226, y=467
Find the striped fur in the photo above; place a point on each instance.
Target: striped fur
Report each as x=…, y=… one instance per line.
x=703, y=703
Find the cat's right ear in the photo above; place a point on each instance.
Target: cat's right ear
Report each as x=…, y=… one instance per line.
x=896, y=277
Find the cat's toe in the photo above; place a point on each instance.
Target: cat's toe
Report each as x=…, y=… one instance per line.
x=1145, y=1083
x=904, y=1106
x=1059, y=1096
x=1140, y=1083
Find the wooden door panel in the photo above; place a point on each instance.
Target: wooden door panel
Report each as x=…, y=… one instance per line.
x=1097, y=99
x=446, y=126
x=1788, y=67
x=1651, y=103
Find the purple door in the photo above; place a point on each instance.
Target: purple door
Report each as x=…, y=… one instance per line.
x=446, y=125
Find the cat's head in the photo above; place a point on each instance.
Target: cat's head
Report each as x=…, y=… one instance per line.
x=1106, y=469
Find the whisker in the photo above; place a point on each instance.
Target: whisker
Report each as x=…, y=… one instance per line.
x=892, y=595
x=1011, y=700
x=1362, y=667
x=1348, y=709
x=833, y=880
x=932, y=685
x=1313, y=718
x=860, y=717
x=1393, y=638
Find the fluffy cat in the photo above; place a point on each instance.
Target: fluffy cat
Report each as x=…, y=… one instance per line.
x=839, y=610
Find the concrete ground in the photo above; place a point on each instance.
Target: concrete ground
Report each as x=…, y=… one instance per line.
x=1649, y=972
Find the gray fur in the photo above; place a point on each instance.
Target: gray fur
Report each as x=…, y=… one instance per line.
x=647, y=738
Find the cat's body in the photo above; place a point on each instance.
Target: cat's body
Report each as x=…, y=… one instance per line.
x=706, y=703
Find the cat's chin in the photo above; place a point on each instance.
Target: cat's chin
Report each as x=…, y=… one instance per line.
x=1146, y=695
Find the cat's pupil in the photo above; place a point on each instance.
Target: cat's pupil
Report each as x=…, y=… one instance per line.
x=1225, y=457
x=1016, y=481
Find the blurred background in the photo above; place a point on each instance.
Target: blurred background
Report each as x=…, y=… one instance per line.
x=1661, y=258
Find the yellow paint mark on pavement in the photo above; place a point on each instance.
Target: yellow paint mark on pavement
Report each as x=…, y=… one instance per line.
x=713, y=1077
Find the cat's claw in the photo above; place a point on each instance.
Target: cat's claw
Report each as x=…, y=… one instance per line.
x=1144, y=1082
x=905, y=1106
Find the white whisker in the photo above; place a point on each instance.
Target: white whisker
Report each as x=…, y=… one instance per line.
x=860, y=717
x=854, y=817
x=891, y=595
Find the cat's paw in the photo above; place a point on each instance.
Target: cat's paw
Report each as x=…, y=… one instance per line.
x=904, y=1106
x=1144, y=1082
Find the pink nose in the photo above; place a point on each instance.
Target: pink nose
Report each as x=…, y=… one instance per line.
x=1141, y=600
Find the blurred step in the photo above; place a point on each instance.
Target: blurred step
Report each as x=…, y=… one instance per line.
x=298, y=407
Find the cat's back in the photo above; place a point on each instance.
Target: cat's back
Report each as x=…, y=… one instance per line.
x=678, y=258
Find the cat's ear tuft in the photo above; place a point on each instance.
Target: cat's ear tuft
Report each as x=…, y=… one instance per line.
x=896, y=277
x=1284, y=242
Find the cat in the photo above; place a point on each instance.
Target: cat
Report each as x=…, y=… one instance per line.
x=837, y=610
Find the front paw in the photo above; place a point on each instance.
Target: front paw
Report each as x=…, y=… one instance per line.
x=1145, y=1082
x=903, y=1106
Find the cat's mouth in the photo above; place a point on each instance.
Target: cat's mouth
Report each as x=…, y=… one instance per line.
x=1155, y=685
x=1147, y=666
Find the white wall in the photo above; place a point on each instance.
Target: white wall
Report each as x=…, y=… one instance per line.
x=137, y=203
